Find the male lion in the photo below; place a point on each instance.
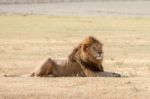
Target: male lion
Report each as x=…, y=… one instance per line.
x=84, y=61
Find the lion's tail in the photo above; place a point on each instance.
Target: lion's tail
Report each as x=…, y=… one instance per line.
x=27, y=75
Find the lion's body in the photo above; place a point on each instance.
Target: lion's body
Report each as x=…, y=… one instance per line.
x=58, y=68
x=83, y=62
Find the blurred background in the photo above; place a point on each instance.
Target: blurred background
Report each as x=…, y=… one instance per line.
x=77, y=7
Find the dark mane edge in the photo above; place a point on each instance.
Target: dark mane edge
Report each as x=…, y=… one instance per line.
x=72, y=55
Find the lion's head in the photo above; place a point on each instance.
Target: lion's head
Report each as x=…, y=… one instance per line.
x=90, y=50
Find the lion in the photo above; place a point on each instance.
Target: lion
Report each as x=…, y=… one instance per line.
x=85, y=61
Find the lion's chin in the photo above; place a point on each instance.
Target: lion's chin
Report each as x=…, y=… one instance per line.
x=99, y=58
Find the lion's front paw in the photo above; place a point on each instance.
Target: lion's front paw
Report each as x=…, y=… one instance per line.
x=116, y=75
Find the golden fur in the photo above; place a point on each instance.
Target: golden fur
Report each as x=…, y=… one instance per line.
x=85, y=61
x=81, y=62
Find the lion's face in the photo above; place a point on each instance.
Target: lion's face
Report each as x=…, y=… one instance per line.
x=93, y=52
x=96, y=51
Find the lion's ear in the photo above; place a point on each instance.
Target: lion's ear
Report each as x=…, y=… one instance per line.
x=85, y=47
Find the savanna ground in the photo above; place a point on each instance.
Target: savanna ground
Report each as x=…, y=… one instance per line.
x=27, y=40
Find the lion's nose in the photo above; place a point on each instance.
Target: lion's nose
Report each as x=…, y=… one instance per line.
x=100, y=53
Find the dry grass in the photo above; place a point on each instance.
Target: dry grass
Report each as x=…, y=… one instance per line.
x=26, y=40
